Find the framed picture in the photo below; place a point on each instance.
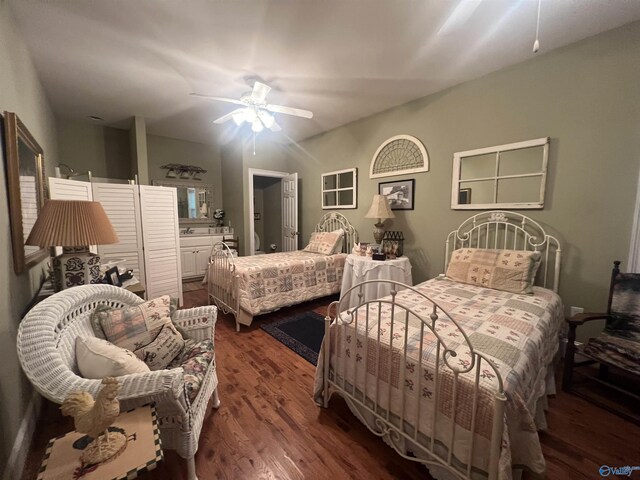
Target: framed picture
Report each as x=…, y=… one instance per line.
x=257, y=216
x=401, y=194
x=112, y=276
x=464, y=196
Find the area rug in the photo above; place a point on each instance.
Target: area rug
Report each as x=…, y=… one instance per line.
x=302, y=333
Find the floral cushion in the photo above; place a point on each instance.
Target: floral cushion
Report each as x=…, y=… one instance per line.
x=507, y=270
x=136, y=326
x=161, y=351
x=194, y=360
x=622, y=352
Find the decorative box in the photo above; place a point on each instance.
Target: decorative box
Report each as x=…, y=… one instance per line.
x=392, y=244
x=379, y=256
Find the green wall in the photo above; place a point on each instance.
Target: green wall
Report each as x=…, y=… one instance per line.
x=20, y=92
x=584, y=96
x=102, y=150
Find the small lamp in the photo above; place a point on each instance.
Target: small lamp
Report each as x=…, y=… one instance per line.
x=74, y=225
x=379, y=209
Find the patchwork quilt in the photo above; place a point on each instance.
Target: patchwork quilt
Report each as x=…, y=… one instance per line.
x=517, y=333
x=271, y=281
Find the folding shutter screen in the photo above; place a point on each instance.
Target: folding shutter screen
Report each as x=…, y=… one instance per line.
x=160, y=233
x=121, y=202
x=63, y=189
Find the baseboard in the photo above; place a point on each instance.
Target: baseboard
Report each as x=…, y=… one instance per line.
x=20, y=450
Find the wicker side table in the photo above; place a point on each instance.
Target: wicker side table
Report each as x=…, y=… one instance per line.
x=142, y=454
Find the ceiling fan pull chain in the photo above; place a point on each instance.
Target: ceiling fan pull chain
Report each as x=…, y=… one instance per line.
x=254, y=144
x=536, y=44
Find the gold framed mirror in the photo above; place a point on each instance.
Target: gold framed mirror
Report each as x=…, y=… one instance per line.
x=25, y=188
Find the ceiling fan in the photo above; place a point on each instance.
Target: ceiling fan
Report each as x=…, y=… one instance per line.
x=255, y=109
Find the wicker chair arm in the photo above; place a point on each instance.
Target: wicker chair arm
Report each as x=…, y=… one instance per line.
x=197, y=323
x=582, y=318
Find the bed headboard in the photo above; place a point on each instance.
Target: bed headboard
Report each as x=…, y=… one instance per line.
x=499, y=229
x=333, y=221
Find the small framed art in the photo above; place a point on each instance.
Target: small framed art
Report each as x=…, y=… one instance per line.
x=401, y=193
x=112, y=276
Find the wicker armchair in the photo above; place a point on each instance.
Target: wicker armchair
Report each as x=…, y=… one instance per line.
x=46, y=349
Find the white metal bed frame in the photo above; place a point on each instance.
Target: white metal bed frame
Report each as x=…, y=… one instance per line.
x=496, y=229
x=223, y=283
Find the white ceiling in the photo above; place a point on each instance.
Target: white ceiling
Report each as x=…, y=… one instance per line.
x=342, y=59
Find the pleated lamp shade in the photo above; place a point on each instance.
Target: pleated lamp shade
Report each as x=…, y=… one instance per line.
x=379, y=209
x=73, y=225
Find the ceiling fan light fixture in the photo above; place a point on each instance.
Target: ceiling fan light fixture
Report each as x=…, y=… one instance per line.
x=240, y=117
x=266, y=118
x=250, y=115
x=256, y=125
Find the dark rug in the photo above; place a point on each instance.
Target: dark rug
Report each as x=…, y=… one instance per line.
x=302, y=333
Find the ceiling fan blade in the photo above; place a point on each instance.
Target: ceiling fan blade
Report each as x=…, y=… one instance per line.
x=298, y=112
x=220, y=99
x=228, y=116
x=260, y=91
x=275, y=127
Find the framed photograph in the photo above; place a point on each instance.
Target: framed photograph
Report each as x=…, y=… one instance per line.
x=112, y=276
x=257, y=216
x=401, y=194
x=464, y=196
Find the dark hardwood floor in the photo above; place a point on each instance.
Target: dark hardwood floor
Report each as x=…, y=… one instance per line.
x=268, y=427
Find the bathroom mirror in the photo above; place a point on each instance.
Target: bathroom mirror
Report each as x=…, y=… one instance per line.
x=195, y=201
x=505, y=176
x=25, y=187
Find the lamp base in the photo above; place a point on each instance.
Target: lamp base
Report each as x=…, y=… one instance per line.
x=378, y=233
x=76, y=266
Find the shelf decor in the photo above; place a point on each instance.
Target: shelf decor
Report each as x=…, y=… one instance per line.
x=392, y=244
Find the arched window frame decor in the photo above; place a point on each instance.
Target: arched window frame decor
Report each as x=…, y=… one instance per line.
x=399, y=170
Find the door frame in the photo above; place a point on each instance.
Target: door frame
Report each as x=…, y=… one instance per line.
x=256, y=172
x=633, y=262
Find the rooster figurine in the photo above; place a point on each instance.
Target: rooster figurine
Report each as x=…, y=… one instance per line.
x=94, y=417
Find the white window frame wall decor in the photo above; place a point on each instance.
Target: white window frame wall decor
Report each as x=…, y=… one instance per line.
x=399, y=155
x=497, y=150
x=338, y=189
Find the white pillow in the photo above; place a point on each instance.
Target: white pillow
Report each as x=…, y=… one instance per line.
x=98, y=358
x=340, y=244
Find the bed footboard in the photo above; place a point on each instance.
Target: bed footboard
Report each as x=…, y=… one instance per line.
x=223, y=281
x=434, y=400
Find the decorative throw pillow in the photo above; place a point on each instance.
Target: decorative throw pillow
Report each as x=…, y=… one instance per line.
x=323, y=242
x=508, y=270
x=97, y=358
x=166, y=346
x=135, y=327
x=340, y=242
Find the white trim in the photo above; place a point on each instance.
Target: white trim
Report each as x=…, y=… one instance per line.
x=633, y=264
x=22, y=442
x=251, y=172
x=411, y=138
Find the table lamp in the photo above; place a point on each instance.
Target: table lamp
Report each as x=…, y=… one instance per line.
x=73, y=225
x=379, y=209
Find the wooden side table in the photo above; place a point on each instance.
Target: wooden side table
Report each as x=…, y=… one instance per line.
x=358, y=269
x=142, y=454
x=136, y=288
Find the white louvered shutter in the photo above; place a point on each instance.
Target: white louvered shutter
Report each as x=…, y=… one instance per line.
x=121, y=202
x=160, y=232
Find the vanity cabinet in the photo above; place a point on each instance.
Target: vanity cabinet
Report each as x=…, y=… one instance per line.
x=195, y=252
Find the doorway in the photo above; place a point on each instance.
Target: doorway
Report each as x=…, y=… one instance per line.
x=265, y=211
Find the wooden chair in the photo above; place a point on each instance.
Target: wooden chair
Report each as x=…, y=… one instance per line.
x=618, y=346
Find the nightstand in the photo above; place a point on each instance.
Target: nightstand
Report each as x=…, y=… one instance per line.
x=358, y=269
x=142, y=453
